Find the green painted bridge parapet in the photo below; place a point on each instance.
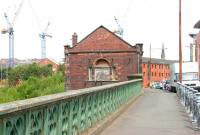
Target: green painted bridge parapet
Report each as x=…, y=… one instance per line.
x=68, y=113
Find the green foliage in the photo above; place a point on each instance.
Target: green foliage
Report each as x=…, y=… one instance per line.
x=61, y=68
x=33, y=87
x=3, y=73
x=24, y=72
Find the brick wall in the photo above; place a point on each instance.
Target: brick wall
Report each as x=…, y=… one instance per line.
x=158, y=72
x=78, y=64
x=100, y=44
x=47, y=61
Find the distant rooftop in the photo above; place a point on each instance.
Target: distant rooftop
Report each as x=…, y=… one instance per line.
x=158, y=61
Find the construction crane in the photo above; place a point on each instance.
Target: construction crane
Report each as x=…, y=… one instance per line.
x=119, y=30
x=43, y=36
x=10, y=31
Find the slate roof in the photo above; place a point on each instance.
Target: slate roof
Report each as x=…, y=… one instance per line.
x=158, y=61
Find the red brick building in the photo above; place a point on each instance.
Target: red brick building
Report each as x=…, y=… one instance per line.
x=100, y=58
x=46, y=61
x=155, y=71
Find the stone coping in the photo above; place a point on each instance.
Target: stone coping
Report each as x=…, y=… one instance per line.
x=43, y=100
x=102, y=81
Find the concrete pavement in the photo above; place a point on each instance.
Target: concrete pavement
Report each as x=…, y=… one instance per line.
x=155, y=113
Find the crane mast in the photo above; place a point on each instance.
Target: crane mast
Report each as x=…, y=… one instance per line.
x=43, y=36
x=119, y=30
x=10, y=31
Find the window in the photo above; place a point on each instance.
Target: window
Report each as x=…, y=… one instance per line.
x=102, y=74
x=101, y=71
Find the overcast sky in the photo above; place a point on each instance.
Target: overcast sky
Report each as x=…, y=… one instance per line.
x=144, y=21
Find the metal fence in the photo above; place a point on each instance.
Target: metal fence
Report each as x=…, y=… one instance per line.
x=190, y=99
x=68, y=113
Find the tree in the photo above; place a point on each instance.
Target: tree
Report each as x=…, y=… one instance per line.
x=24, y=72
x=61, y=68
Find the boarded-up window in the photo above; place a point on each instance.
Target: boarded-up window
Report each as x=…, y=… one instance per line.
x=102, y=71
x=102, y=74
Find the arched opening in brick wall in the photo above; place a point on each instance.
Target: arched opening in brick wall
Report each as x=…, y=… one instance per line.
x=101, y=71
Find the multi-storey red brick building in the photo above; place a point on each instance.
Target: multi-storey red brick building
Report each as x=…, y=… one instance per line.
x=155, y=70
x=100, y=58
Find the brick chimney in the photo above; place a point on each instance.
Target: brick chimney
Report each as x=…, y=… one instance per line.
x=139, y=46
x=74, y=39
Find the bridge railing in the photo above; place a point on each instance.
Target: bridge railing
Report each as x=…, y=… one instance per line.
x=69, y=113
x=190, y=98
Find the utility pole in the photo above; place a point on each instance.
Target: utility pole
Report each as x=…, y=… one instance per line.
x=150, y=65
x=163, y=59
x=180, y=44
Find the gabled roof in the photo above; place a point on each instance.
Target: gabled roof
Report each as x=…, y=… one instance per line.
x=109, y=32
x=48, y=59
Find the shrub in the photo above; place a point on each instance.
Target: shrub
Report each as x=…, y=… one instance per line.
x=33, y=87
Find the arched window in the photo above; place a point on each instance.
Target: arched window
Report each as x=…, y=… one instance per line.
x=101, y=71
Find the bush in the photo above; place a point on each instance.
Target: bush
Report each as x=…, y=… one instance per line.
x=24, y=72
x=33, y=87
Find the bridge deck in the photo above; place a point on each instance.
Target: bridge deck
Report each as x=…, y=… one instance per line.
x=155, y=113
